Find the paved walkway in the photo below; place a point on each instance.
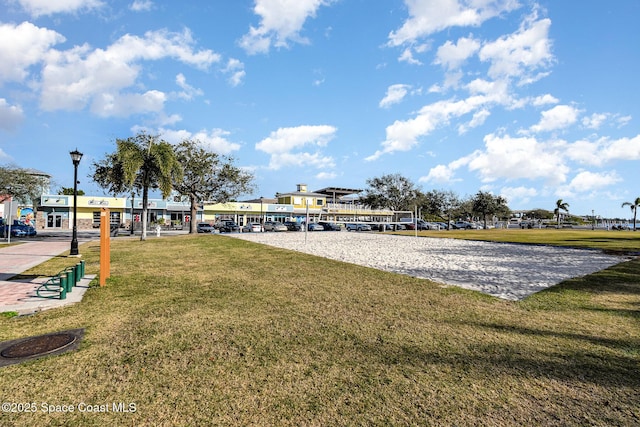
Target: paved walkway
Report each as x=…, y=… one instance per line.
x=20, y=295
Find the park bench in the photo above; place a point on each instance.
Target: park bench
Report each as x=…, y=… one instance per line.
x=59, y=285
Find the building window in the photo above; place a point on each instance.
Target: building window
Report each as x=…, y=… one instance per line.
x=114, y=218
x=319, y=202
x=96, y=218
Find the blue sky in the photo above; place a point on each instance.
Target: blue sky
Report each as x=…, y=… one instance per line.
x=534, y=101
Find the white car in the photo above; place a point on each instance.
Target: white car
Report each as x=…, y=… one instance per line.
x=252, y=227
x=358, y=227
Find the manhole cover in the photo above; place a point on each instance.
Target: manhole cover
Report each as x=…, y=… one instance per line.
x=38, y=346
x=24, y=349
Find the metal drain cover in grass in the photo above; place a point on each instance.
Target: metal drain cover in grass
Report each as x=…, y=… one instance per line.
x=23, y=349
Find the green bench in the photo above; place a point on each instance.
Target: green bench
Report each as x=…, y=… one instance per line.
x=59, y=285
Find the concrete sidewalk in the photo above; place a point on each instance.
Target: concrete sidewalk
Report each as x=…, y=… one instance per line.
x=20, y=295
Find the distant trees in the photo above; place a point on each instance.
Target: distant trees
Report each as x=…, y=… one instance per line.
x=140, y=163
x=392, y=191
x=440, y=203
x=634, y=208
x=560, y=206
x=398, y=193
x=207, y=176
x=485, y=203
x=68, y=191
x=21, y=184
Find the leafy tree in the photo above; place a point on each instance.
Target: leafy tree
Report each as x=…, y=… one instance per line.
x=440, y=203
x=140, y=163
x=208, y=177
x=391, y=191
x=560, y=206
x=68, y=191
x=485, y=203
x=22, y=184
x=634, y=208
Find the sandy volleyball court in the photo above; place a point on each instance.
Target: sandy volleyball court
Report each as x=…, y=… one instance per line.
x=505, y=270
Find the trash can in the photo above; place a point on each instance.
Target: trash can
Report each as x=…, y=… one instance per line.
x=114, y=230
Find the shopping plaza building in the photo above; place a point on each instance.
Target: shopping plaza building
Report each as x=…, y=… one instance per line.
x=328, y=204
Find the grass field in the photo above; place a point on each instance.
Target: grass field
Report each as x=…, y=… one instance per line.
x=209, y=330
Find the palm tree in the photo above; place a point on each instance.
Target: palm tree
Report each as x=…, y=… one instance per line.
x=140, y=162
x=560, y=206
x=634, y=208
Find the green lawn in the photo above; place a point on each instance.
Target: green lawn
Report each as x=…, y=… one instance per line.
x=210, y=330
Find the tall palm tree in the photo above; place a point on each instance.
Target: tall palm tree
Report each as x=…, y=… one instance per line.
x=560, y=206
x=139, y=163
x=634, y=208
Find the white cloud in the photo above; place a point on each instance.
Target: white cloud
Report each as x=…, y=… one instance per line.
x=407, y=56
x=74, y=78
x=428, y=17
x=10, y=115
x=395, y=94
x=326, y=175
x=623, y=121
x=451, y=55
x=214, y=139
x=520, y=54
x=589, y=184
x=510, y=158
x=604, y=150
x=404, y=135
x=4, y=157
x=235, y=70
x=281, y=22
x=544, y=100
x=559, y=117
x=478, y=119
x=141, y=5
x=49, y=7
x=29, y=45
x=586, y=181
x=595, y=120
x=126, y=104
x=188, y=91
x=444, y=174
x=283, y=146
x=440, y=174
x=519, y=194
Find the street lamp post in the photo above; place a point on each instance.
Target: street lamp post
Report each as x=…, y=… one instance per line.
x=75, y=158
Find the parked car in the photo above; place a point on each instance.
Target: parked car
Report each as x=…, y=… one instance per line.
x=358, y=227
x=18, y=229
x=252, y=227
x=204, y=227
x=314, y=226
x=330, y=226
x=15, y=231
x=464, y=225
x=292, y=226
x=274, y=226
x=424, y=225
x=227, y=227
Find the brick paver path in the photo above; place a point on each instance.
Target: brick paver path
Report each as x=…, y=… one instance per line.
x=19, y=258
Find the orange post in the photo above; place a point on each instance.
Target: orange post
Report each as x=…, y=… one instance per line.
x=105, y=246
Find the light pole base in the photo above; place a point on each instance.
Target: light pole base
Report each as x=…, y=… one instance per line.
x=74, y=248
